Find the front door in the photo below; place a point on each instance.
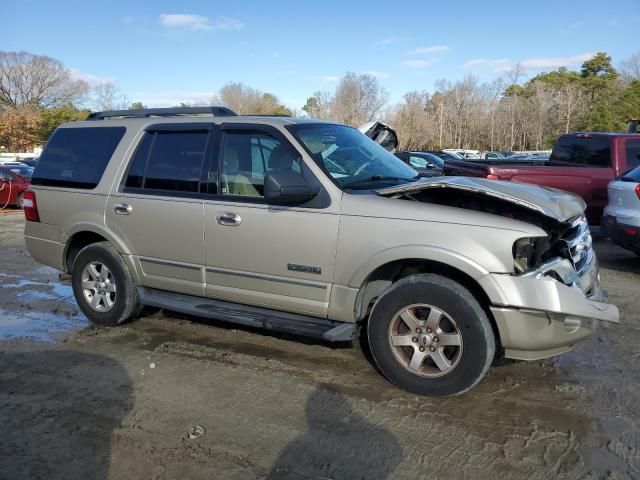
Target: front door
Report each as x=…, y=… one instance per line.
x=260, y=254
x=158, y=212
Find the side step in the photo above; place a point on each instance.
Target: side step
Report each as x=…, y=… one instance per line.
x=268, y=319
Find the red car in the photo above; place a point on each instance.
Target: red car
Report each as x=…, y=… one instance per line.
x=583, y=163
x=14, y=180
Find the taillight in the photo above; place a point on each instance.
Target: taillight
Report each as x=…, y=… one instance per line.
x=638, y=190
x=30, y=206
x=491, y=176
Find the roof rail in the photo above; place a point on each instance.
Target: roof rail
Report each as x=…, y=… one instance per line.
x=163, y=112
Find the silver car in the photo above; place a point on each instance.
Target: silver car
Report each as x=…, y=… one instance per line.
x=311, y=228
x=621, y=220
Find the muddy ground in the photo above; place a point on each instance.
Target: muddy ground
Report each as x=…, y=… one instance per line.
x=80, y=402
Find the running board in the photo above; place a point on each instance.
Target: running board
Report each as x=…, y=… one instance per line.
x=268, y=319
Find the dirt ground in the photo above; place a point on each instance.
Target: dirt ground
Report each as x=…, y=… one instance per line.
x=81, y=402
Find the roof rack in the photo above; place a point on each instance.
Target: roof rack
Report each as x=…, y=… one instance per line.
x=163, y=112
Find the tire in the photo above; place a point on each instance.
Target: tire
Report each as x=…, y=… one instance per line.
x=20, y=201
x=430, y=336
x=113, y=290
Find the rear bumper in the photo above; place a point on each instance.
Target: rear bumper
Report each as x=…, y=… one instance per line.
x=627, y=236
x=541, y=316
x=47, y=252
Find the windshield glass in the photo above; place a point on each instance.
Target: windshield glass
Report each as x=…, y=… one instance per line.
x=352, y=159
x=22, y=171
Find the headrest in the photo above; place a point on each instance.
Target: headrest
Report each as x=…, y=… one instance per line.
x=281, y=158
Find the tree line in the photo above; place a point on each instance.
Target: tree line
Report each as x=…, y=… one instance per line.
x=507, y=113
x=38, y=93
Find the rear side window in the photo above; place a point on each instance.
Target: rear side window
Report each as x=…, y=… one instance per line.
x=632, y=149
x=170, y=161
x=582, y=152
x=633, y=175
x=77, y=157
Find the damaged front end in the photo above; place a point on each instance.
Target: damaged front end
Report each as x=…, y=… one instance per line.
x=560, y=214
x=552, y=299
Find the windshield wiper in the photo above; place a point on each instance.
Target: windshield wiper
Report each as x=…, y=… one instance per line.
x=380, y=178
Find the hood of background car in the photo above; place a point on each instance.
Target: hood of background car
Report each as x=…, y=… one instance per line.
x=553, y=203
x=381, y=133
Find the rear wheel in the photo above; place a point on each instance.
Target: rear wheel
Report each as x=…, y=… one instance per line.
x=430, y=336
x=103, y=286
x=20, y=201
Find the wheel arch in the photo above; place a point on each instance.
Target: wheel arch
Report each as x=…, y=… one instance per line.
x=82, y=235
x=386, y=274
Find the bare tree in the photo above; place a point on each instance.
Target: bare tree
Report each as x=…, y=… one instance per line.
x=630, y=68
x=246, y=100
x=411, y=121
x=358, y=99
x=319, y=105
x=107, y=96
x=36, y=81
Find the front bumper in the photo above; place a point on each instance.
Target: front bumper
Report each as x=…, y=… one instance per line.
x=547, y=312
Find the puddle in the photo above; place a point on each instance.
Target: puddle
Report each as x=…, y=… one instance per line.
x=45, y=290
x=41, y=326
x=57, y=291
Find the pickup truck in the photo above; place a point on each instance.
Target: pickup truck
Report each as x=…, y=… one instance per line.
x=583, y=163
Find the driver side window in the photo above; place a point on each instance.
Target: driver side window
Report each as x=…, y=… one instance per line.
x=246, y=158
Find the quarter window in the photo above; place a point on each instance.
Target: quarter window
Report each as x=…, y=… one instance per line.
x=6, y=177
x=170, y=161
x=77, y=157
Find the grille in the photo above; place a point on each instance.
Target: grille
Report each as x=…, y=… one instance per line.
x=579, y=244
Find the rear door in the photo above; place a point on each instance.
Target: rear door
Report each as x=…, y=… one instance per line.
x=259, y=254
x=158, y=210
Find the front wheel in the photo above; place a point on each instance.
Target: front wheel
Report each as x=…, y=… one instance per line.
x=430, y=336
x=103, y=286
x=20, y=201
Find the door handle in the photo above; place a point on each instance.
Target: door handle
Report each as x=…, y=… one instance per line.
x=122, y=209
x=228, y=218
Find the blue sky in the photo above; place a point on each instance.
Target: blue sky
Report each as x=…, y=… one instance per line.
x=164, y=52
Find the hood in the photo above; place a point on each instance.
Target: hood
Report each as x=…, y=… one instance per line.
x=551, y=202
x=381, y=133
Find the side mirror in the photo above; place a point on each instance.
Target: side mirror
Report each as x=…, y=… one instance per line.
x=287, y=187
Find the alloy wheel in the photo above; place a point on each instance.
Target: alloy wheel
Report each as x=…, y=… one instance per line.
x=425, y=340
x=98, y=287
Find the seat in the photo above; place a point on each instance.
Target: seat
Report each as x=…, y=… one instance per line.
x=236, y=183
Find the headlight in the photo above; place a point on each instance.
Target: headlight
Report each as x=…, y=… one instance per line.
x=523, y=251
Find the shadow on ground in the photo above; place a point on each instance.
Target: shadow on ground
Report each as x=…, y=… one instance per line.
x=338, y=443
x=60, y=427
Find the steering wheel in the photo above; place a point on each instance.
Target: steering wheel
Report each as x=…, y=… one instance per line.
x=361, y=169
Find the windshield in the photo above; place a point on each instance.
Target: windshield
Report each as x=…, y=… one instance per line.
x=353, y=160
x=23, y=171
